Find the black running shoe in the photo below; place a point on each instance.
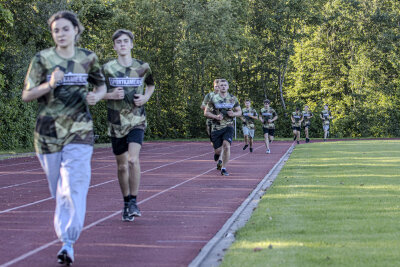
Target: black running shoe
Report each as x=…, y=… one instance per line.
x=219, y=165
x=224, y=172
x=298, y=142
x=216, y=157
x=251, y=149
x=244, y=148
x=133, y=209
x=307, y=140
x=66, y=255
x=125, y=214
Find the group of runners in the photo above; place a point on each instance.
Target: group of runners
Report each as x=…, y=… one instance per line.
x=221, y=107
x=58, y=78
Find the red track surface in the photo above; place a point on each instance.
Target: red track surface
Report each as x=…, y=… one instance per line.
x=183, y=199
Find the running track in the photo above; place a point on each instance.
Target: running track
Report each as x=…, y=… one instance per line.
x=183, y=199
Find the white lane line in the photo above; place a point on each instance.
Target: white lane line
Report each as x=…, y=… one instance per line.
x=15, y=185
x=32, y=252
x=25, y=205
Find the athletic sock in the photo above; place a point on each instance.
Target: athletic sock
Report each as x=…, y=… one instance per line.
x=132, y=197
x=216, y=157
x=126, y=199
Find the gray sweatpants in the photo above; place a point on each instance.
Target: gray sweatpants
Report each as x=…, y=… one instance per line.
x=68, y=173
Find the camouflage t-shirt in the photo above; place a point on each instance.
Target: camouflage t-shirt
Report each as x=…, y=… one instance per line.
x=307, y=116
x=220, y=105
x=207, y=99
x=63, y=115
x=249, y=122
x=297, y=118
x=268, y=114
x=123, y=115
x=325, y=115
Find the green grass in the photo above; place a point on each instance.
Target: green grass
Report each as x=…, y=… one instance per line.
x=333, y=204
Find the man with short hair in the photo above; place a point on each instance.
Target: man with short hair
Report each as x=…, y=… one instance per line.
x=203, y=106
x=307, y=115
x=222, y=108
x=325, y=116
x=130, y=85
x=249, y=114
x=297, y=119
x=267, y=116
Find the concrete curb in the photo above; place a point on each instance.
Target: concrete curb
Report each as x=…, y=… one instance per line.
x=212, y=253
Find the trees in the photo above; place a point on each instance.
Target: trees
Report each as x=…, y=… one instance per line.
x=294, y=52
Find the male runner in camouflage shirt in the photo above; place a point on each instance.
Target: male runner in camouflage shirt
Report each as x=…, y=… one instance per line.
x=129, y=86
x=203, y=106
x=297, y=119
x=325, y=116
x=307, y=115
x=222, y=108
x=267, y=116
x=249, y=114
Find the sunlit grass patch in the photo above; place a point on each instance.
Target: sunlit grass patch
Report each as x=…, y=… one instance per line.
x=333, y=204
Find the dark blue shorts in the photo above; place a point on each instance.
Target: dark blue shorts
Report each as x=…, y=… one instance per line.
x=121, y=145
x=270, y=132
x=218, y=137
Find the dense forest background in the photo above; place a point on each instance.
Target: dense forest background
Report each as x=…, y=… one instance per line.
x=341, y=52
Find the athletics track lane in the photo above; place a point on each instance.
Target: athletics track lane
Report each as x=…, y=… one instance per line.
x=184, y=202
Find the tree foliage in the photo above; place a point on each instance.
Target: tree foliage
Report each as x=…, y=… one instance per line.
x=294, y=52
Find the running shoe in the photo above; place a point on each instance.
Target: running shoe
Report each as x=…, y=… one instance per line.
x=224, y=172
x=219, y=165
x=268, y=151
x=125, y=214
x=244, y=148
x=66, y=254
x=298, y=142
x=133, y=208
x=216, y=157
x=251, y=150
x=307, y=140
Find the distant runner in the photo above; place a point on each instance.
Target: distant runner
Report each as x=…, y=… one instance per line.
x=267, y=116
x=222, y=108
x=203, y=106
x=297, y=119
x=307, y=115
x=325, y=117
x=249, y=114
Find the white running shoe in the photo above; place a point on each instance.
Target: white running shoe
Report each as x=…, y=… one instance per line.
x=268, y=151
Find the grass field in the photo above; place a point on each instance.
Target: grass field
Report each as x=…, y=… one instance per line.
x=333, y=204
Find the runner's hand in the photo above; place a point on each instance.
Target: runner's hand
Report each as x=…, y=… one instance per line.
x=140, y=100
x=118, y=93
x=219, y=117
x=56, y=76
x=91, y=98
